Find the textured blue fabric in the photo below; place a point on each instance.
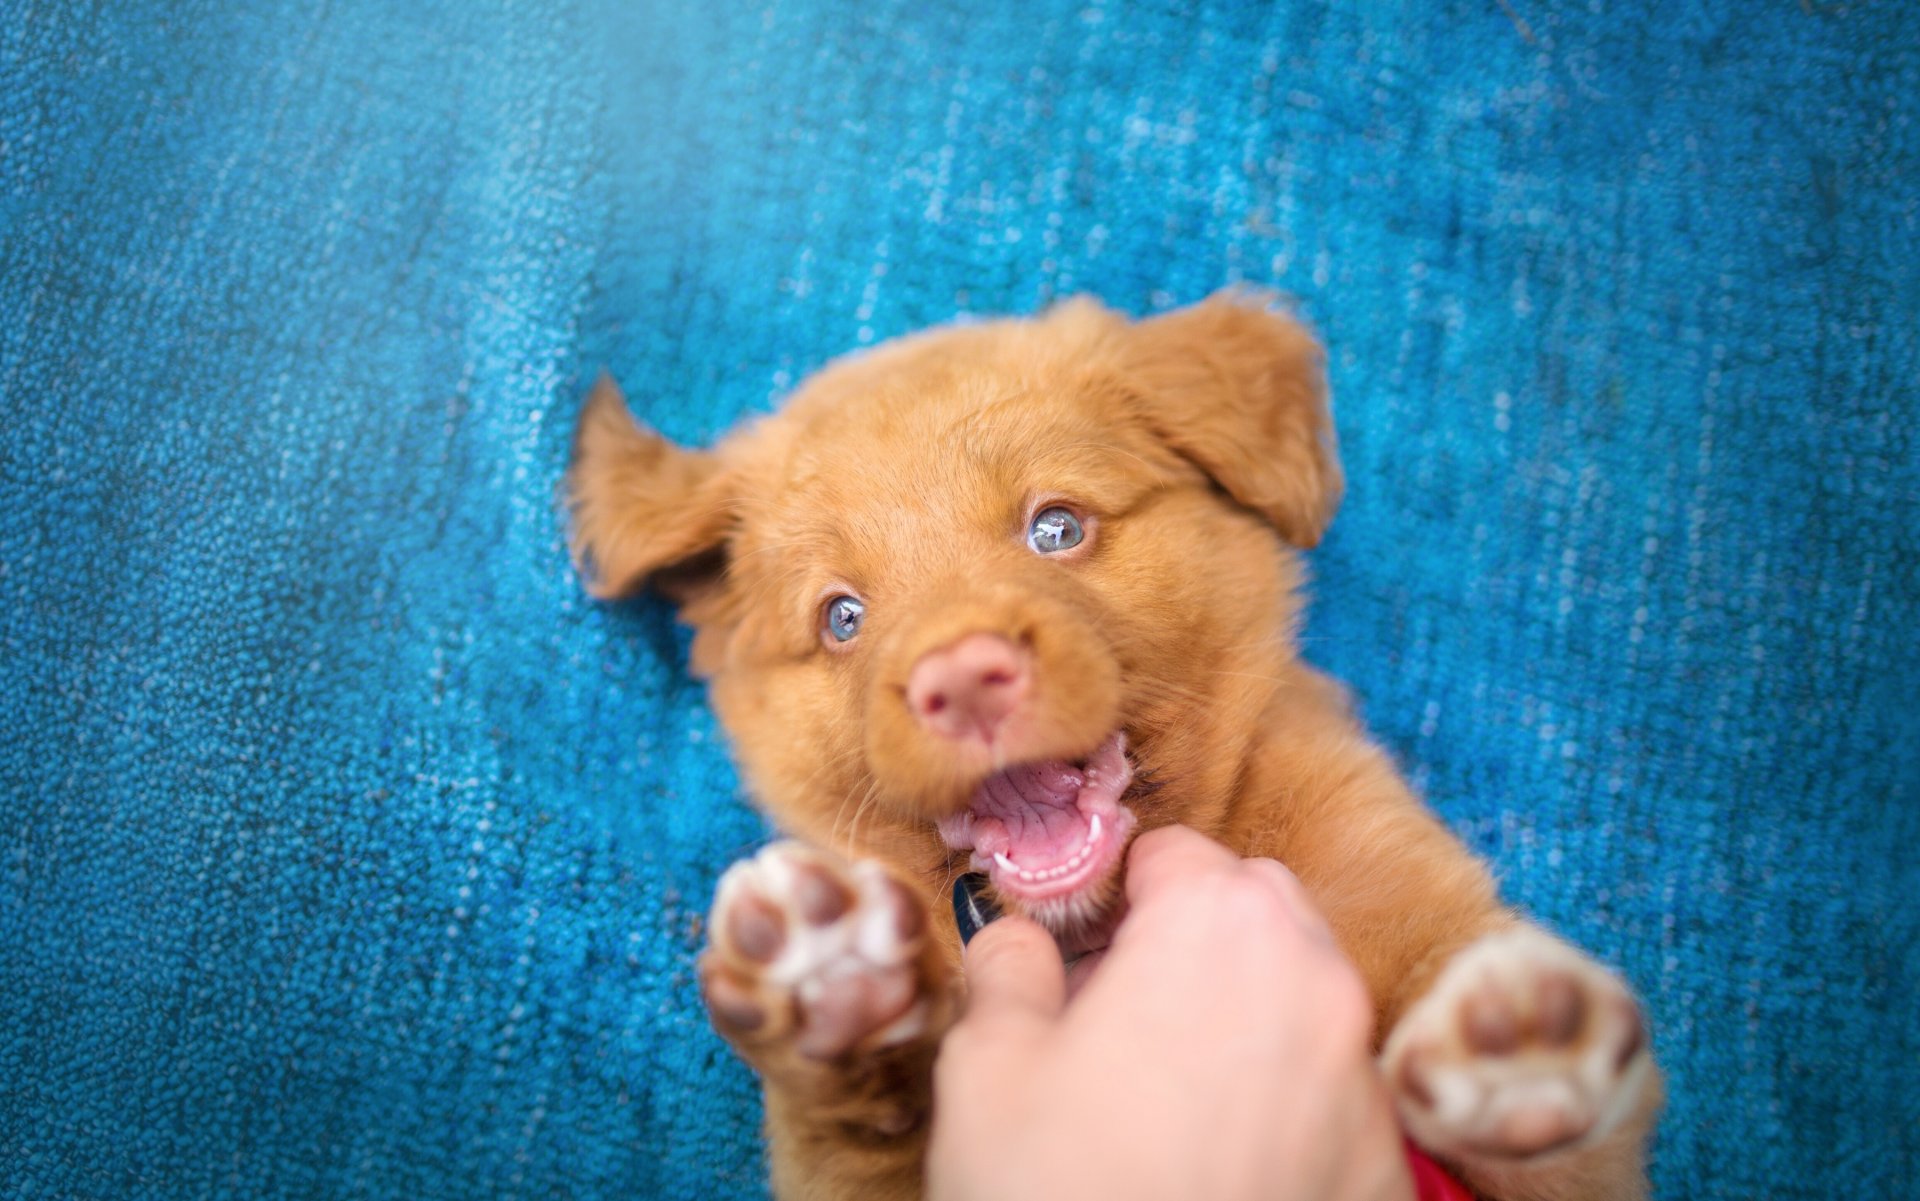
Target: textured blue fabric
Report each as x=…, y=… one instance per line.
x=349, y=852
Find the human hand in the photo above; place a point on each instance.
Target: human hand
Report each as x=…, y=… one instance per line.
x=1220, y=1051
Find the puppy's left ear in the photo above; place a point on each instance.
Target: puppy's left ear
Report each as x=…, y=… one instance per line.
x=1241, y=391
x=645, y=512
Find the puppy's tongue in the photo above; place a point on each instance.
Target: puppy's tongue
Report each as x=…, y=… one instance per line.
x=1028, y=813
x=1046, y=828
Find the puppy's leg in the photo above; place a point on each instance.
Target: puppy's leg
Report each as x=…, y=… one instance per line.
x=1510, y=1055
x=822, y=976
x=1526, y=1066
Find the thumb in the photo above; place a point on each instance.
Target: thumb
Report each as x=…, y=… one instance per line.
x=1014, y=972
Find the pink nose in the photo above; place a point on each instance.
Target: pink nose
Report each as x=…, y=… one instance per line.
x=967, y=689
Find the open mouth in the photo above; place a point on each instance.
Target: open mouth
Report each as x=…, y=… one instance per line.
x=1048, y=830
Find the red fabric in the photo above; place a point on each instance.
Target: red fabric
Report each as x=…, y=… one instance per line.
x=1430, y=1180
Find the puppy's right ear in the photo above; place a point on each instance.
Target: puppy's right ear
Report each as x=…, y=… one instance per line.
x=644, y=510
x=1241, y=391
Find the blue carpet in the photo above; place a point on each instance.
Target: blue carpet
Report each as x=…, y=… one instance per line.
x=349, y=852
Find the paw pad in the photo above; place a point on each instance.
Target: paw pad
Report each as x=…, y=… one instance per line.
x=1522, y=1047
x=818, y=953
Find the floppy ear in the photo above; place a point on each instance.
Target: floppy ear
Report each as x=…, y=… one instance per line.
x=644, y=510
x=1241, y=391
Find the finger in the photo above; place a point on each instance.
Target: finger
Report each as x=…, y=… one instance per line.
x=1081, y=970
x=1014, y=972
x=1295, y=896
x=1162, y=858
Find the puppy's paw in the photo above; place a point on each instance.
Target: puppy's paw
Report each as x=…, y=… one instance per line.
x=815, y=958
x=1521, y=1048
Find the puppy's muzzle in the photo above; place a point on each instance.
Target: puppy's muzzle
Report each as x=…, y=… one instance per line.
x=984, y=677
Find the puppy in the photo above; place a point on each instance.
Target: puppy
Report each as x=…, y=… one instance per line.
x=998, y=597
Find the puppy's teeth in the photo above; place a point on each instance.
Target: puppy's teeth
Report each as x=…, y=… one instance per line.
x=1027, y=876
x=1093, y=835
x=1006, y=864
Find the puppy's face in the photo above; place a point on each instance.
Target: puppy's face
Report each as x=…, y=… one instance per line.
x=993, y=597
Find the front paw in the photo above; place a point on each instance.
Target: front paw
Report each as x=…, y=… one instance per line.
x=1522, y=1048
x=813, y=960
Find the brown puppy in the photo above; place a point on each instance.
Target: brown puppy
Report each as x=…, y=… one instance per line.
x=998, y=597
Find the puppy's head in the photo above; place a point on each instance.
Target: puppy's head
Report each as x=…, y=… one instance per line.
x=993, y=596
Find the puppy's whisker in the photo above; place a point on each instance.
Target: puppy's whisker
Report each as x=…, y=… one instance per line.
x=840, y=812
x=853, y=830
x=953, y=873
x=834, y=765
x=1154, y=689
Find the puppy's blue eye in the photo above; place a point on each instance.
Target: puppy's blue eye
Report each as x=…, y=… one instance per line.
x=1054, y=530
x=843, y=617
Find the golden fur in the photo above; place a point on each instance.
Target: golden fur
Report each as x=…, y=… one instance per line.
x=1199, y=447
